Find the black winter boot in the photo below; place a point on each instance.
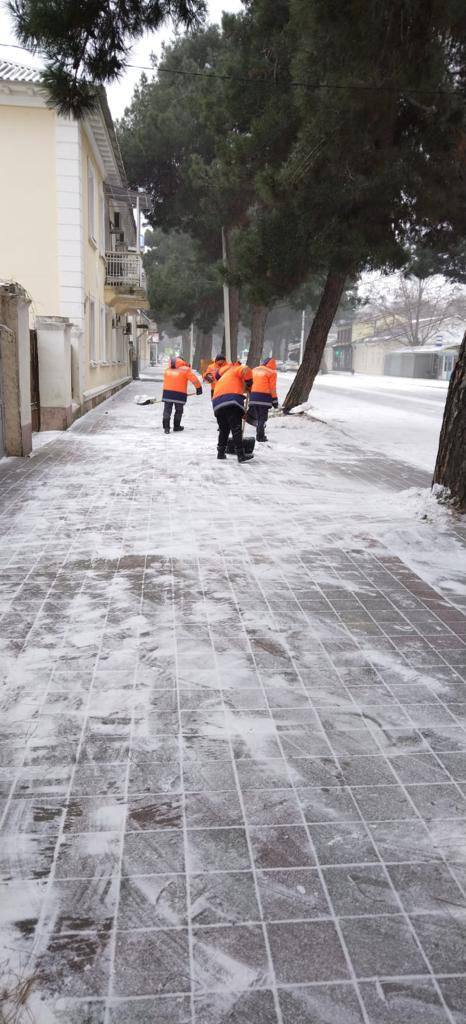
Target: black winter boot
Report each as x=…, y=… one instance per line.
x=261, y=436
x=177, y=428
x=166, y=427
x=221, y=453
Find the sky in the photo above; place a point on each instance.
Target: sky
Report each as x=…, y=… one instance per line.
x=119, y=95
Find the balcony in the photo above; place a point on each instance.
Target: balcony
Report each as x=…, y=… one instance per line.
x=124, y=270
x=125, y=281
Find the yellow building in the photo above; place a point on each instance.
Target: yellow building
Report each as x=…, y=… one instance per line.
x=68, y=237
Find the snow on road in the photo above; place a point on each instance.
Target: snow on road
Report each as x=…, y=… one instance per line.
x=396, y=416
x=418, y=386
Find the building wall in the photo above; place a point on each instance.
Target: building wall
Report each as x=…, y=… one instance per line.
x=44, y=233
x=101, y=359
x=370, y=358
x=70, y=253
x=378, y=323
x=28, y=201
x=400, y=364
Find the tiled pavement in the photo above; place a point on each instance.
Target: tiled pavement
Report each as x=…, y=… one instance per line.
x=234, y=760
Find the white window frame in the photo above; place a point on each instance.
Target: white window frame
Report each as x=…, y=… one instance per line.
x=91, y=201
x=103, y=335
x=92, y=332
x=102, y=220
x=113, y=338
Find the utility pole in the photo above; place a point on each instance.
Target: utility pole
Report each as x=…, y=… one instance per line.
x=301, y=347
x=226, y=301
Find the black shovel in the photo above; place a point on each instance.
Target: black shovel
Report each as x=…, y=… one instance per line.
x=248, y=442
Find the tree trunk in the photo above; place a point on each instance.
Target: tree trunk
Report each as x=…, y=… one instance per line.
x=234, y=299
x=316, y=340
x=198, y=336
x=234, y=322
x=206, y=352
x=185, y=345
x=203, y=349
x=450, y=467
x=259, y=316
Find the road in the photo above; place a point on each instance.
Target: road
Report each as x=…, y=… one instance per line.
x=397, y=416
x=420, y=398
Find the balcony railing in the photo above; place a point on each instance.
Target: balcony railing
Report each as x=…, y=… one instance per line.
x=124, y=270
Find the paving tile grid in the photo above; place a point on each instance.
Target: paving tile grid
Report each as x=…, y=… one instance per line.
x=233, y=774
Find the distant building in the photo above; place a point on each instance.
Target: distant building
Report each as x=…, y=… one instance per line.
x=68, y=237
x=375, y=345
x=428, y=361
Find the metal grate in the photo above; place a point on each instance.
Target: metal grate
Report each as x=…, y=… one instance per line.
x=124, y=270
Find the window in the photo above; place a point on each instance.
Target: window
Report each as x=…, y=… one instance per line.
x=91, y=199
x=102, y=224
x=116, y=219
x=103, y=334
x=448, y=364
x=111, y=339
x=92, y=333
x=344, y=335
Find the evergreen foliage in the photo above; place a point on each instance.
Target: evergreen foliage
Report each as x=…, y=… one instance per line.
x=87, y=43
x=182, y=287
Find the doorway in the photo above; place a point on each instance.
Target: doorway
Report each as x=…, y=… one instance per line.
x=35, y=396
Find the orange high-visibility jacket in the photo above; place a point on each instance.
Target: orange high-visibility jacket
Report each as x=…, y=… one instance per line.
x=264, y=383
x=209, y=375
x=231, y=385
x=175, y=381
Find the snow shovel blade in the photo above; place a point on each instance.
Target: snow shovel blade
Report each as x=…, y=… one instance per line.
x=145, y=400
x=248, y=445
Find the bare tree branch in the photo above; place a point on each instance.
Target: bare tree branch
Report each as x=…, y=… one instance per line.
x=418, y=308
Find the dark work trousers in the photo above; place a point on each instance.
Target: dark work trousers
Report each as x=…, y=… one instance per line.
x=230, y=417
x=262, y=415
x=167, y=411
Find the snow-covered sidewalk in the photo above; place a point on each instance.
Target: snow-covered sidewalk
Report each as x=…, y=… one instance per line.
x=233, y=729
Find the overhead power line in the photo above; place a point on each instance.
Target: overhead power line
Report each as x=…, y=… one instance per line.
x=277, y=79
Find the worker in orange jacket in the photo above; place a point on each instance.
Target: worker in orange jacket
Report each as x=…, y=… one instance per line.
x=263, y=394
x=175, y=391
x=209, y=375
x=231, y=384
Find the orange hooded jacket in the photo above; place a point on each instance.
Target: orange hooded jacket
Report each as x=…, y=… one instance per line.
x=264, y=384
x=175, y=381
x=230, y=386
x=219, y=363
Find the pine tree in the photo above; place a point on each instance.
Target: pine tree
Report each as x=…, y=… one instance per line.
x=182, y=287
x=86, y=44
x=187, y=138
x=377, y=163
